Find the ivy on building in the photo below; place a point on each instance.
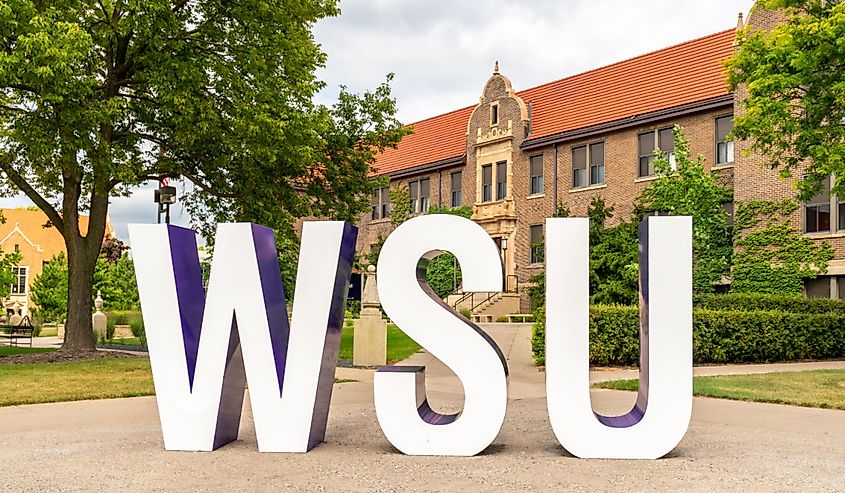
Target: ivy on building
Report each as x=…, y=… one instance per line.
x=771, y=255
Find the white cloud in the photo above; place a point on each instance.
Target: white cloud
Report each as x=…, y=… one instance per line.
x=442, y=51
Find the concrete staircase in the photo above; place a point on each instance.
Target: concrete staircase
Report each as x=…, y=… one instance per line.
x=499, y=305
x=485, y=307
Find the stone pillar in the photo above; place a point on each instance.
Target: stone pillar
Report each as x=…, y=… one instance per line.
x=370, y=341
x=98, y=319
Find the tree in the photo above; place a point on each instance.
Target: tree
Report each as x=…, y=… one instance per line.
x=794, y=77
x=115, y=281
x=614, y=257
x=97, y=97
x=688, y=189
x=117, y=284
x=49, y=289
x=112, y=249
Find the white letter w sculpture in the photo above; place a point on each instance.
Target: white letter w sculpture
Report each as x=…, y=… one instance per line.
x=204, y=348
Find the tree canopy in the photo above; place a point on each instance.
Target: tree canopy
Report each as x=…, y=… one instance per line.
x=99, y=96
x=794, y=76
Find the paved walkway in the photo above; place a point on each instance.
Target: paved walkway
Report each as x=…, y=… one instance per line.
x=116, y=444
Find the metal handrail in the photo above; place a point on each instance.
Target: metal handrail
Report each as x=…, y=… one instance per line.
x=490, y=297
x=463, y=298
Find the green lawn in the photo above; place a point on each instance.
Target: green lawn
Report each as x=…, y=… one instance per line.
x=399, y=346
x=822, y=388
x=11, y=351
x=106, y=378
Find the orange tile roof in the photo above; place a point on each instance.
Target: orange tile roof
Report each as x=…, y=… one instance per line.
x=31, y=224
x=438, y=138
x=676, y=76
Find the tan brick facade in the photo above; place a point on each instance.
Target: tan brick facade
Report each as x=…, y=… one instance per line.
x=510, y=140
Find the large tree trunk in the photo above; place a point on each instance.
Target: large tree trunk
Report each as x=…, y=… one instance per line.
x=79, y=332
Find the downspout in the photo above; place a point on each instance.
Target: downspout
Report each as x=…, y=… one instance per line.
x=440, y=188
x=554, y=205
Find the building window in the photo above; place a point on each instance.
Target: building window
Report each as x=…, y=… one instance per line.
x=824, y=213
x=17, y=248
x=647, y=142
x=817, y=288
x=494, y=114
x=457, y=185
x=501, y=180
x=579, y=167
x=381, y=203
x=535, y=238
x=420, y=193
x=581, y=155
x=487, y=183
x=825, y=287
x=728, y=207
x=19, y=283
x=536, y=173
x=597, y=163
x=724, y=147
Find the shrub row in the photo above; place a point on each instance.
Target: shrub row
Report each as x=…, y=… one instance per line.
x=769, y=302
x=718, y=336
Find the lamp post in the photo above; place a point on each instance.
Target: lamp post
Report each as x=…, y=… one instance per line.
x=504, y=263
x=165, y=196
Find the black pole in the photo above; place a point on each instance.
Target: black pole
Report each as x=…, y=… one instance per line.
x=167, y=214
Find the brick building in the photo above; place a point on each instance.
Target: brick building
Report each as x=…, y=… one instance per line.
x=514, y=155
x=25, y=231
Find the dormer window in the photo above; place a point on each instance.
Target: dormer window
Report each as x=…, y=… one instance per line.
x=494, y=114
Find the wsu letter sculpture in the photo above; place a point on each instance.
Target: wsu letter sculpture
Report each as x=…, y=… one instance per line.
x=204, y=348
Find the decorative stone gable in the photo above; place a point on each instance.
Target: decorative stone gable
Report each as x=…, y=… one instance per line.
x=496, y=129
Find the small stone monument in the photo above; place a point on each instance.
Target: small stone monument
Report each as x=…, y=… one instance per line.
x=98, y=319
x=370, y=341
x=16, y=317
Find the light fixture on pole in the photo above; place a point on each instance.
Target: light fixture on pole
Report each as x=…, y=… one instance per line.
x=164, y=196
x=504, y=261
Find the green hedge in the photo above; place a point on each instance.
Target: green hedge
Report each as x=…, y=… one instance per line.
x=769, y=302
x=132, y=318
x=718, y=336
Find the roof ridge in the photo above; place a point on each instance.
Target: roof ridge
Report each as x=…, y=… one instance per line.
x=602, y=67
x=629, y=59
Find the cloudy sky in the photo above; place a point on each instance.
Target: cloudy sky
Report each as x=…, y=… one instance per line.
x=443, y=51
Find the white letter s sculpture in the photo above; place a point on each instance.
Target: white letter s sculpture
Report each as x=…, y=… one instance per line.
x=196, y=341
x=660, y=418
x=402, y=409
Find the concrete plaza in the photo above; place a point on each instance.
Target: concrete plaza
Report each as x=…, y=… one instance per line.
x=116, y=445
